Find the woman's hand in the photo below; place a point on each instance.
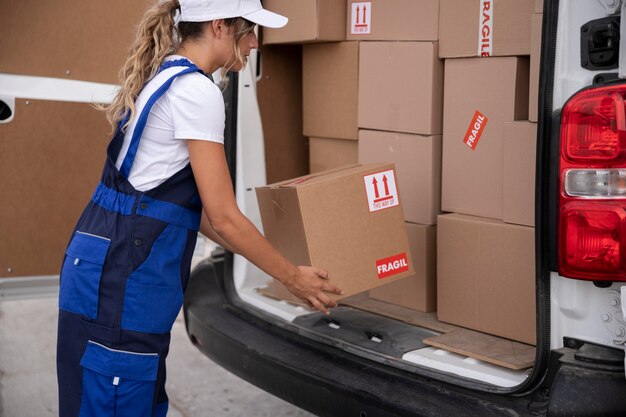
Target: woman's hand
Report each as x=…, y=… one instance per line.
x=311, y=285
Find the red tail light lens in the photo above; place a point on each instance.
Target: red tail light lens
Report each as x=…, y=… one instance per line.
x=593, y=245
x=592, y=224
x=594, y=127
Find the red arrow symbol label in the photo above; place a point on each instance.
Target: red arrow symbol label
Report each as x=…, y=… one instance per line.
x=386, y=185
x=375, y=184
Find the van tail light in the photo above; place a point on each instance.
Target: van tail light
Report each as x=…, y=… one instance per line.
x=592, y=173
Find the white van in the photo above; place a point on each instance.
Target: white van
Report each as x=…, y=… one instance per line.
x=358, y=363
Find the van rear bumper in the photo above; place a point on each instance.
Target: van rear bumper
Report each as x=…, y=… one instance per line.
x=330, y=382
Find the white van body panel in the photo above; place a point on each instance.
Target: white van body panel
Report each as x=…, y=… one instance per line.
x=579, y=309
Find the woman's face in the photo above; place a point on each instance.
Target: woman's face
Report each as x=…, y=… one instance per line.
x=246, y=44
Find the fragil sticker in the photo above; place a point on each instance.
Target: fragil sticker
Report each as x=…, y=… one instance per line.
x=475, y=130
x=485, y=28
x=381, y=190
x=361, y=18
x=391, y=266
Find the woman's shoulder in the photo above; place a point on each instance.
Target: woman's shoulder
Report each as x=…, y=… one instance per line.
x=195, y=85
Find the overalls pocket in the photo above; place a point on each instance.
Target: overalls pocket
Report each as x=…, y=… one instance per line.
x=117, y=383
x=81, y=273
x=150, y=308
x=154, y=293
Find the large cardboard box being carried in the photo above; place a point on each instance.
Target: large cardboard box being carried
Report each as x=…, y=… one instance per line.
x=419, y=291
x=393, y=20
x=345, y=86
x=309, y=21
x=484, y=28
x=326, y=153
x=418, y=162
x=486, y=276
x=348, y=221
x=480, y=96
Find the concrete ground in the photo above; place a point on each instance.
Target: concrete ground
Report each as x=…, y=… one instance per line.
x=196, y=386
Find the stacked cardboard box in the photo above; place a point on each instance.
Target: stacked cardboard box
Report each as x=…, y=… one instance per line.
x=486, y=276
x=485, y=253
x=309, y=21
x=502, y=27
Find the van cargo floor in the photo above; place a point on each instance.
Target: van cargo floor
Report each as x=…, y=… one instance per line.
x=362, y=301
x=372, y=332
x=484, y=347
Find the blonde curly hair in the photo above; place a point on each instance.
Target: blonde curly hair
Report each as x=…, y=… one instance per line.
x=157, y=37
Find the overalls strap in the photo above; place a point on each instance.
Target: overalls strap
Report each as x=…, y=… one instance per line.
x=143, y=117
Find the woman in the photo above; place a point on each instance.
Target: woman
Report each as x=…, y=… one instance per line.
x=165, y=177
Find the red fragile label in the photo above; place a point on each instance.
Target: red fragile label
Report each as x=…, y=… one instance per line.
x=485, y=29
x=391, y=266
x=475, y=130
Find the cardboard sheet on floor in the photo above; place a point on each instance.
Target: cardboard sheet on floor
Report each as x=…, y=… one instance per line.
x=485, y=347
x=427, y=320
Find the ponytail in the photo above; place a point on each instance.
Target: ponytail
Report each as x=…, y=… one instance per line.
x=156, y=38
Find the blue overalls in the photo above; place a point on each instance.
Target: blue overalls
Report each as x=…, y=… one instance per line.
x=122, y=283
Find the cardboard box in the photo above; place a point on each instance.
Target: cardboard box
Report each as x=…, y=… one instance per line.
x=409, y=101
x=486, y=276
x=328, y=154
x=535, y=58
x=419, y=291
x=393, y=20
x=330, y=81
x=474, y=116
x=418, y=163
x=518, y=180
x=279, y=94
x=338, y=85
x=348, y=221
x=538, y=6
x=484, y=28
x=309, y=21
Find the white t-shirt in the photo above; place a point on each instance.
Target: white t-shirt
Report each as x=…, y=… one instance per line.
x=192, y=108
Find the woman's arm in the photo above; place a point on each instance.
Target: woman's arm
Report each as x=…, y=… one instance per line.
x=207, y=230
x=235, y=230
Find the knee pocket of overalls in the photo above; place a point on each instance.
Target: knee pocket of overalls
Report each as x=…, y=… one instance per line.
x=81, y=273
x=117, y=383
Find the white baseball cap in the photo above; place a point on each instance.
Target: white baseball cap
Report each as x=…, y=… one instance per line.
x=208, y=10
